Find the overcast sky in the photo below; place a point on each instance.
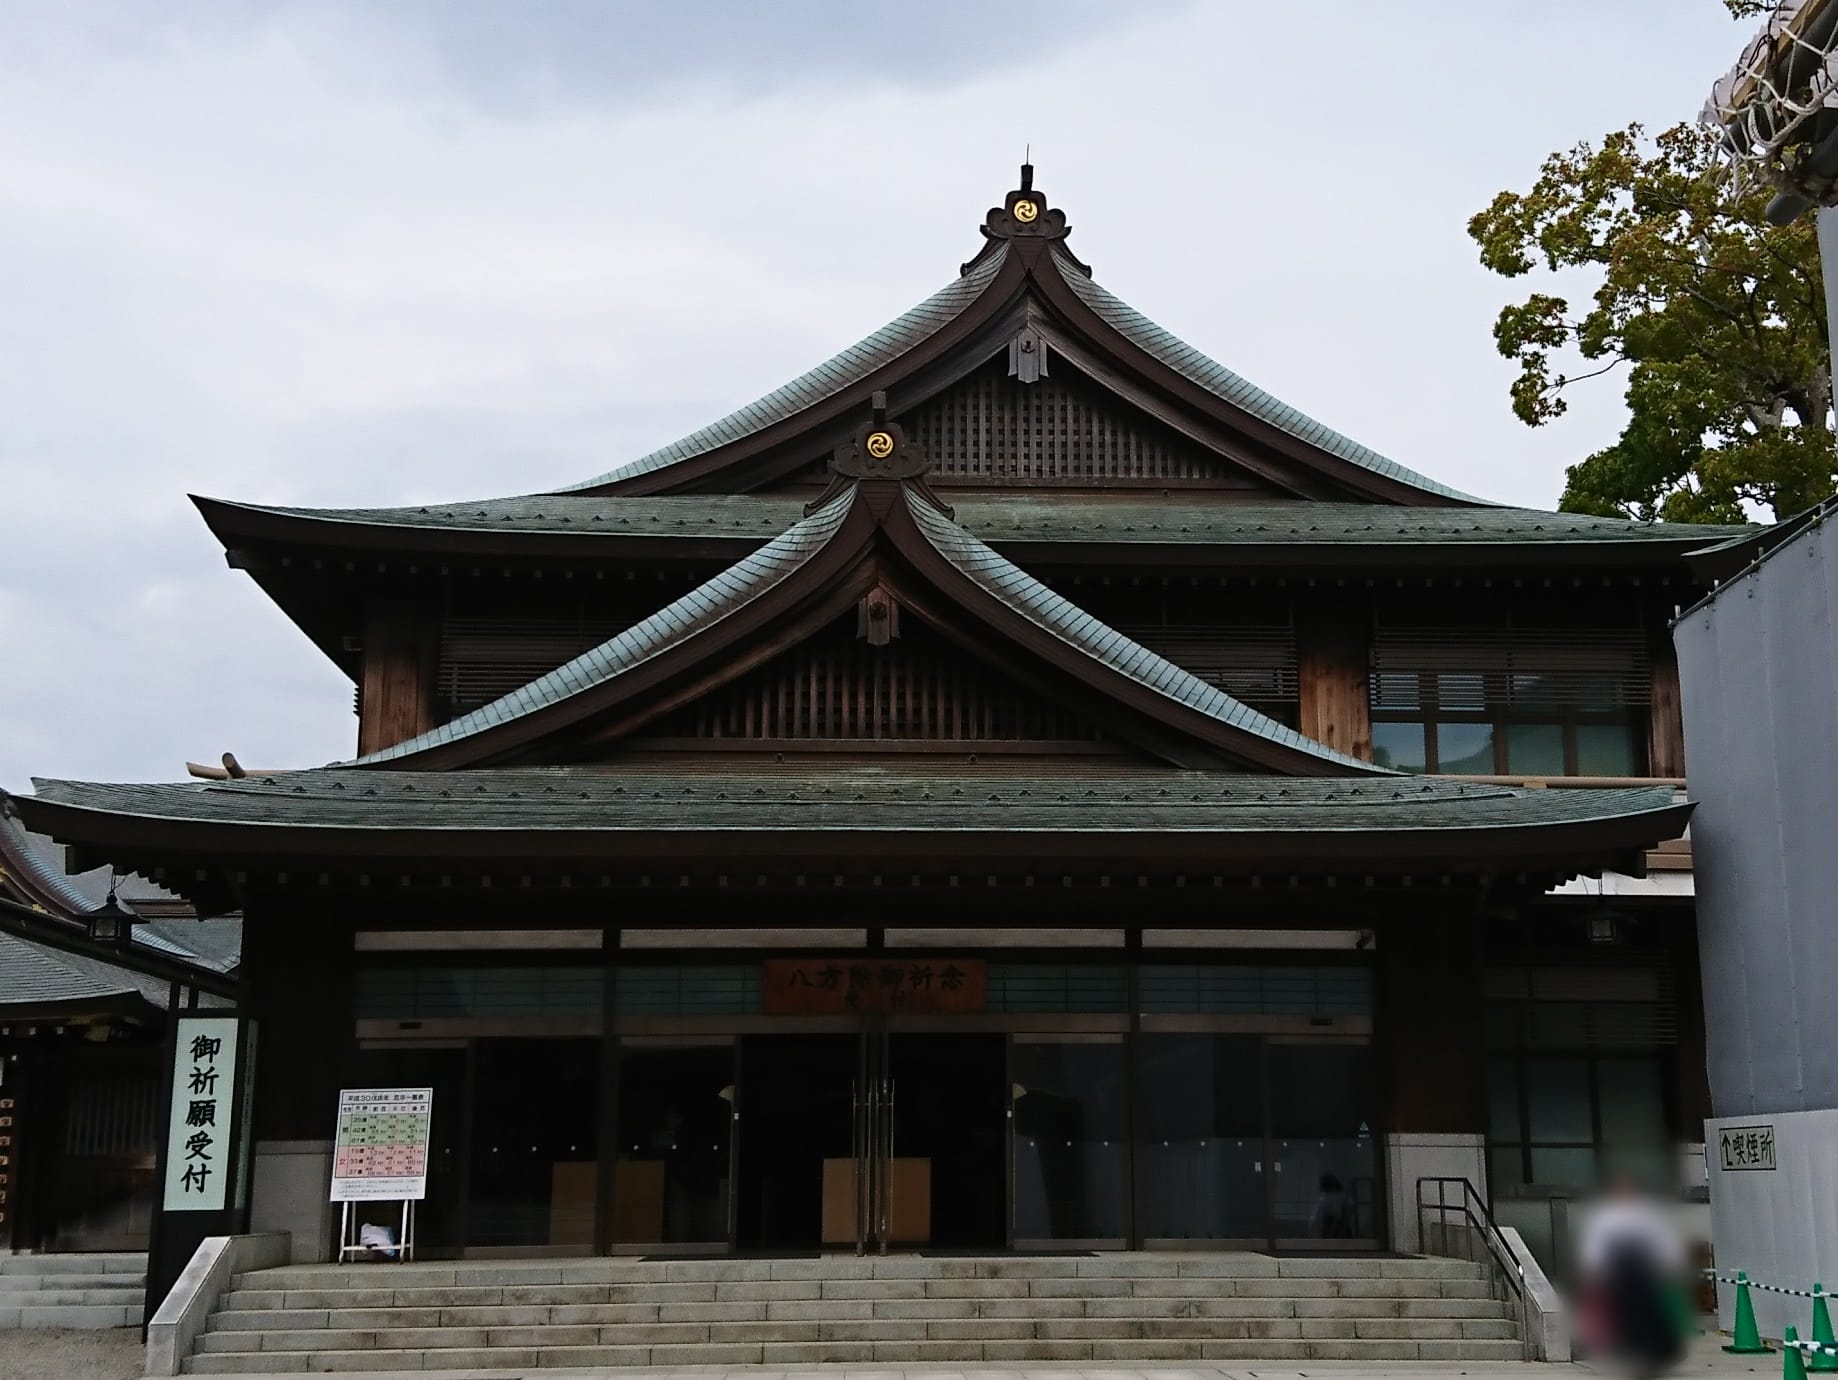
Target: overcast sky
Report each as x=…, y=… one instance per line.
x=430, y=250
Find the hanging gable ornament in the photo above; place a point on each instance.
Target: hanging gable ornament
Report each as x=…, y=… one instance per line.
x=879, y=450
x=1027, y=356
x=1023, y=216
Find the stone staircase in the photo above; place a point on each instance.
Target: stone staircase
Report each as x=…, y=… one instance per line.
x=72, y=1291
x=612, y=1312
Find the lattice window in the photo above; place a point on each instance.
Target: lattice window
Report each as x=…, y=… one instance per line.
x=1521, y=701
x=116, y=1115
x=990, y=430
x=993, y=429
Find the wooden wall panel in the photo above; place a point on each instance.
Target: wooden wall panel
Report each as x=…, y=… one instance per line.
x=1431, y=1025
x=1665, y=722
x=396, y=697
x=1333, y=653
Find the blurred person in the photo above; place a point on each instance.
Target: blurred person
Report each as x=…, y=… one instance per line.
x=1333, y=1214
x=1630, y=1268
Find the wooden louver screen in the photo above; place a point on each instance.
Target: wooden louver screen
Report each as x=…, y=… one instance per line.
x=1611, y=1006
x=1481, y=668
x=1253, y=663
x=851, y=691
x=992, y=429
x=482, y=659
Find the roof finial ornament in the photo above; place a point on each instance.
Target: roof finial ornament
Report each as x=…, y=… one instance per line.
x=1024, y=215
x=879, y=450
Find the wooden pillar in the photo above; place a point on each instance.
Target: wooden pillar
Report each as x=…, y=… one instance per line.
x=1665, y=721
x=1333, y=656
x=297, y=965
x=1432, y=1024
x=396, y=698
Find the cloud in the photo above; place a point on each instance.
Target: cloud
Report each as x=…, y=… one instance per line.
x=430, y=251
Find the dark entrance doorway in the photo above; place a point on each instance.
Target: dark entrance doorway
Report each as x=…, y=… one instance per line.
x=872, y=1141
x=949, y=1112
x=794, y=1116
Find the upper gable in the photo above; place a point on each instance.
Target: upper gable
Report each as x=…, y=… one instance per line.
x=999, y=429
x=1124, y=403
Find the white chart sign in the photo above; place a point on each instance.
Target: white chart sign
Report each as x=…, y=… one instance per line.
x=198, y=1148
x=381, y=1151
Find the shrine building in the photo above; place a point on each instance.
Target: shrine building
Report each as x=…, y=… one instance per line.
x=1016, y=786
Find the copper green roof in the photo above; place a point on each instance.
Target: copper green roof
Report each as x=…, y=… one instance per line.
x=1216, y=379
x=754, y=574
x=1177, y=520
x=832, y=376
x=1084, y=633
x=709, y=602
x=905, y=797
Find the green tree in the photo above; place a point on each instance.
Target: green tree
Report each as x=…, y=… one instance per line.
x=1717, y=317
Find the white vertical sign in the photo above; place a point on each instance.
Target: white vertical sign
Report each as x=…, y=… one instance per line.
x=199, y=1150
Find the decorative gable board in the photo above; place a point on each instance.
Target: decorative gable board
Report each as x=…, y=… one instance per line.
x=991, y=430
x=838, y=688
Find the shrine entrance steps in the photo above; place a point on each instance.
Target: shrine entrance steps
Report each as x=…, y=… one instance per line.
x=99, y=1289
x=899, y=1309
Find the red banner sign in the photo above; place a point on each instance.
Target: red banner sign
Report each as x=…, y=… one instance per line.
x=830, y=986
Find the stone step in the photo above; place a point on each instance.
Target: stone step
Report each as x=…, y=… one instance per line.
x=551, y=1338
x=65, y=1298
x=39, y=1284
x=73, y=1317
x=611, y=1270
x=801, y=1353
x=800, y=1310
x=443, y=1296
x=610, y=1315
x=88, y=1263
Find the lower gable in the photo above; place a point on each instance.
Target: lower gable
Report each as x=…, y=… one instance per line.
x=838, y=690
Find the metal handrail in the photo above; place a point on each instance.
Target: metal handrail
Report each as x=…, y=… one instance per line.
x=1473, y=1207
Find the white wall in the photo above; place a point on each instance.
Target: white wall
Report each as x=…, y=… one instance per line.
x=1779, y=1225
x=1412, y=1155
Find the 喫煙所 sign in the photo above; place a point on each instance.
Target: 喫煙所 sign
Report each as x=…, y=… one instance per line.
x=826, y=986
x=1746, y=1147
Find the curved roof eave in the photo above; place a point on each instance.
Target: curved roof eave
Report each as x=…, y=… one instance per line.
x=734, y=588
x=993, y=575
x=840, y=371
x=1171, y=351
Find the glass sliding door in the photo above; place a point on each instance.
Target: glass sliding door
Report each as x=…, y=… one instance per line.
x=1200, y=1168
x=1069, y=1103
x=673, y=1165
x=1256, y=1140
x=1324, y=1181
x=535, y=1146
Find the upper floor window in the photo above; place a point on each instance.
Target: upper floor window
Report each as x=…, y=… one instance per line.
x=1505, y=701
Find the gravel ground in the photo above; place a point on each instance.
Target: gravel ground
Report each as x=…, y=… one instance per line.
x=33, y=1354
